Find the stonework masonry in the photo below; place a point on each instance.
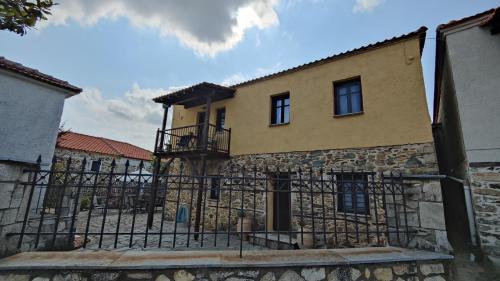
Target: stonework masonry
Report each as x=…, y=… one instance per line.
x=485, y=187
x=14, y=194
x=397, y=271
x=423, y=199
x=77, y=157
x=408, y=159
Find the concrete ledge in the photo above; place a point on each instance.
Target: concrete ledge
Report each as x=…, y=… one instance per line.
x=106, y=260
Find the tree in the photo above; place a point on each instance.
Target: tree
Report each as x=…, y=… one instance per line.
x=20, y=15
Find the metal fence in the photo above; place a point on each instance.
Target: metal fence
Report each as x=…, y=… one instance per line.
x=235, y=208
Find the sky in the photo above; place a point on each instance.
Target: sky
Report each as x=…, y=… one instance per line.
x=125, y=52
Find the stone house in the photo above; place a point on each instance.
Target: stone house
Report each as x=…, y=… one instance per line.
x=361, y=110
x=99, y=152
x=466, y=100
x=31, y=104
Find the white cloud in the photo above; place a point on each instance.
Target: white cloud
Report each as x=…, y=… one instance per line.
x=208, y=27
x=259, y=72
x=132, y=118
x=366, y=5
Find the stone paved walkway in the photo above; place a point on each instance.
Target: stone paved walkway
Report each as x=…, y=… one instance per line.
x=153, y=239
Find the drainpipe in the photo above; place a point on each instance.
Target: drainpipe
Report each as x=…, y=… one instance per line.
x=468, y=207
x=470, y=214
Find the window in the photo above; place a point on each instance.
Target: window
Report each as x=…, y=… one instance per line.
x=95, y=166
x=215, y=188
x=220, y=121
x=348, y=97
x=280, y=109
x=353, y=193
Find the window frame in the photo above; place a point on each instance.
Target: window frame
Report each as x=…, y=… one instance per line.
x=336, y=87
x=341, y=208
x=281, y=96
x=99, y=161
x=218, y=119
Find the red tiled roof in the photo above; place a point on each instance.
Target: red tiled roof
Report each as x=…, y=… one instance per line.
x=76, y=141
x=37, y=75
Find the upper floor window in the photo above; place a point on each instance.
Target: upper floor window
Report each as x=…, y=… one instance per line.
x=220, y=121
x=280, y=109
x=353, y=193
x=348, y=97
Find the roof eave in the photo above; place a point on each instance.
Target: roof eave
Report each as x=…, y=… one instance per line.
x=419, y=33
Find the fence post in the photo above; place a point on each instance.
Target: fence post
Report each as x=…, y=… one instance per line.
x=108, y=194
x=77, y=201
x=28, y=206
x=44, y=203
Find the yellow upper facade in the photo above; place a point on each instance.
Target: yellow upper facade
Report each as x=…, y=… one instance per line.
x=393, y=98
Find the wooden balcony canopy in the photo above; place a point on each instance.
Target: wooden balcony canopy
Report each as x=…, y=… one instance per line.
x=197, y=95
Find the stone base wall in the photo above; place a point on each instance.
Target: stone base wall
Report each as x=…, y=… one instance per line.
x=424, y=271
x=77, y=157
x=15, y=188
x=485, y=187
x=422, y=201
x=408, y=159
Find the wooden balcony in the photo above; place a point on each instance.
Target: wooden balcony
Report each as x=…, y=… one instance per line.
x=189, y=141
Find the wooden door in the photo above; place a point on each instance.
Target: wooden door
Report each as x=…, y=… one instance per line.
x=281, y=203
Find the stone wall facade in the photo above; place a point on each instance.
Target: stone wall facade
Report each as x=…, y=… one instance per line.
x=408, y=159
x=425, y=271
x=77, y=157
x=485, y=186
x=15, y=189
x=422, y=200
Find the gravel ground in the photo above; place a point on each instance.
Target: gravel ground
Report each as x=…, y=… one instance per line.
x=153, y=241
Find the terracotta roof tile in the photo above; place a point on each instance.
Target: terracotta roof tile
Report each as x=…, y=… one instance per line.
x=76, y=141
x=466, y=19
x=37, y=75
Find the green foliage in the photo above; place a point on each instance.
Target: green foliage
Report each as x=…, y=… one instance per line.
x=85, y=202
x=20, y=15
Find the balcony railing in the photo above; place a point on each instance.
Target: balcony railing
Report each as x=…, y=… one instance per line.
x=191, y=139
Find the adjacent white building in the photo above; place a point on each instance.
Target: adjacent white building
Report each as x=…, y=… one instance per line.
x=467, y=129
x=31, y=104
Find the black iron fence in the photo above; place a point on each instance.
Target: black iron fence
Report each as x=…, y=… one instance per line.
x=190, y=139
x=234, y=208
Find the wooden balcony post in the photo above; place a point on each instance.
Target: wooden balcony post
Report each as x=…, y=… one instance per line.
x=205, y=124
x=166, y=106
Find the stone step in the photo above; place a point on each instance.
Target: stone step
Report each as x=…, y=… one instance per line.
x=272, y=241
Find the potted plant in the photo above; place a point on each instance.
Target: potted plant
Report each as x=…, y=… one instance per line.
x=305, y=236
x=244, y=226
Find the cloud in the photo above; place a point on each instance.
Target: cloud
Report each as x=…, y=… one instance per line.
x=239, y=77
x=363, y=6
x=132, y=117
x=208, y=27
